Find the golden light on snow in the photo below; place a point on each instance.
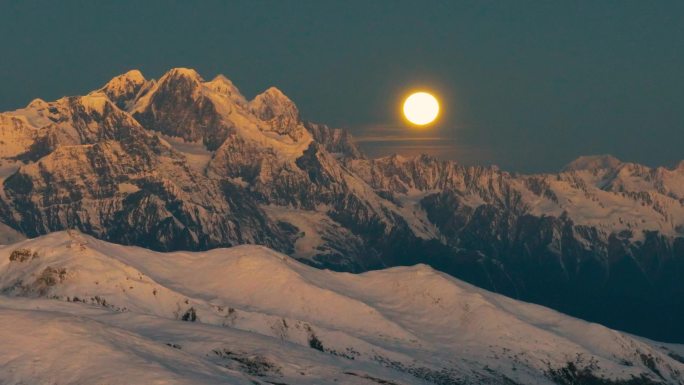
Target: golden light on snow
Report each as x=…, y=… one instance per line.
x=421, y=108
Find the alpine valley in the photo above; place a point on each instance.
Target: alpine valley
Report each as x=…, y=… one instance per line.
x=185, y=164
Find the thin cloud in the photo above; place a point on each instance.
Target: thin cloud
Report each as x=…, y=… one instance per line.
x=387, y=139
x=394, y=133
x=391, y=138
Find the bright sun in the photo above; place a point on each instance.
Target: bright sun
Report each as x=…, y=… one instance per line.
x=421, y=108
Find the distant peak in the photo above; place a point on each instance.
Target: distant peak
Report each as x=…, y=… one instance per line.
x=273, y=95
x=123, y=88
x=593, y=162
x=275, y=92
x=273, y=103
x=224, y=86
x=181, y=78
x=132, y=77
x=183, y=72
x=221, y=79
x=37, y=103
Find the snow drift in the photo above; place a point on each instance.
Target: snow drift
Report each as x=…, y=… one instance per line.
x=76, y=309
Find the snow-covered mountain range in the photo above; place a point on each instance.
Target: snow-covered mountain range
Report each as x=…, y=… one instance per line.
x=77, y=310
x=182, y=163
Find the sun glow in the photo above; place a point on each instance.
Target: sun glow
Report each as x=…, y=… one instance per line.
x=421, y=108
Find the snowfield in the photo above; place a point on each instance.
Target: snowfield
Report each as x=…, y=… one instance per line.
x=77, y=310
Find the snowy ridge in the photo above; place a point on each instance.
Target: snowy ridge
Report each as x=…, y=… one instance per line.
x=256, y=315
x=182, y=163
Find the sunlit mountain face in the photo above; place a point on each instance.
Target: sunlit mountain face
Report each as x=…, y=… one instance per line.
x=183, y=163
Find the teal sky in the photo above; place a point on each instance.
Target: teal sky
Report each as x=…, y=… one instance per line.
x=525, y=85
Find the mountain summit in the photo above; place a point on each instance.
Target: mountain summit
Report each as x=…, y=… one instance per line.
x=181, y=163
x=124, y=89
x=593, y=162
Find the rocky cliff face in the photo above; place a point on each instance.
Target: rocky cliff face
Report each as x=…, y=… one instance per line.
x=184, y=163
x=95, y=168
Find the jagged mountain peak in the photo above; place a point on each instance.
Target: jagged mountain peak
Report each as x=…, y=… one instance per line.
x=221, y=79
x=278, y=111
x=593, y=162
x=182, y=72
x=37, y=103
x=123, y=89
x=180, y=80
x=273, y=103
x=177, y=105
x=183, y=83
x=133, y=76
x=183, y=105
x=274, y=92
x=224, y=86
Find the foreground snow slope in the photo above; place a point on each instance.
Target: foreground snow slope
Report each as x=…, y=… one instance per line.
x=79, y=310
x=45, y=346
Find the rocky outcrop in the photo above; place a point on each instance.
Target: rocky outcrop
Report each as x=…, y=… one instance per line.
x=105, y=174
